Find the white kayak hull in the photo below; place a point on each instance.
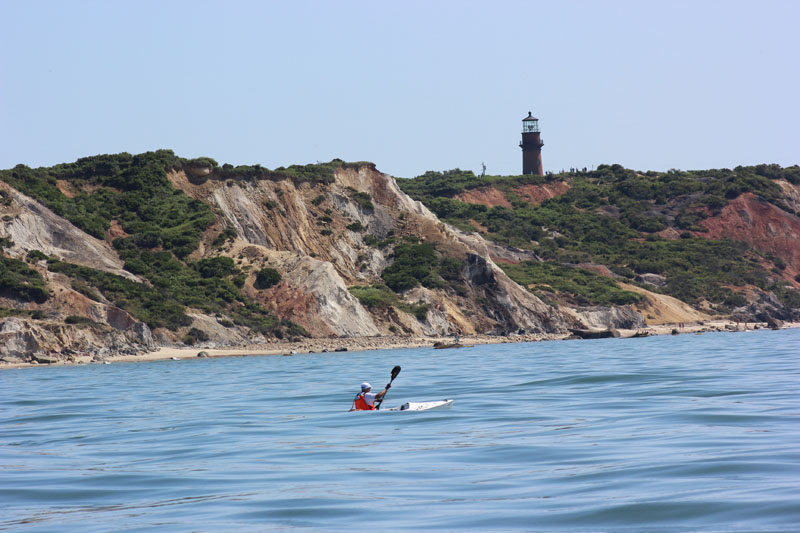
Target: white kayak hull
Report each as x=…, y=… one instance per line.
x=422, y=406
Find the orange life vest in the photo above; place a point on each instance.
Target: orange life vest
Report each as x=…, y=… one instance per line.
x=362, y=405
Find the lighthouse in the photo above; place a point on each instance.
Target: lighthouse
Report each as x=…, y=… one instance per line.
x=531, y=145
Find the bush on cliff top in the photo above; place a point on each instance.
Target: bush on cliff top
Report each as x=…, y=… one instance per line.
x=133, y=190
x=610, y=215
x=163, y=226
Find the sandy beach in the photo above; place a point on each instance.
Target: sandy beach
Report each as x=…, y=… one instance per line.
x=348, y=344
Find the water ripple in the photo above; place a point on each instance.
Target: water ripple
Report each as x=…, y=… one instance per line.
x=660, y=434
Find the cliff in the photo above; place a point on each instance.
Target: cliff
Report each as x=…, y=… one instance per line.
x=322, y=238
x=719, y=242
x=123, y=254
x=301, y=230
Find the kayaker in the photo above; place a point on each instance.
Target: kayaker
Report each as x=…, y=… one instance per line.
x=365, y=400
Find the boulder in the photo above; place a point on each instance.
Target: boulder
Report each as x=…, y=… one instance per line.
x=774, y=323
x=655, y=280
x=595, y=334
x=45, y=359
x=617, y=317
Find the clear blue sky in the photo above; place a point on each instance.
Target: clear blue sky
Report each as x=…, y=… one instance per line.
x=411, y=86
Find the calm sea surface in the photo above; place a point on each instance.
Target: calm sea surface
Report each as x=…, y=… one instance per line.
x=661, y=434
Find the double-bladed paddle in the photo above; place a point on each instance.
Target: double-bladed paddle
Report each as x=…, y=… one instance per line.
x=395, y=372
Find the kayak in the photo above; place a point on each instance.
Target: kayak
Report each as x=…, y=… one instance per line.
x=422, y=406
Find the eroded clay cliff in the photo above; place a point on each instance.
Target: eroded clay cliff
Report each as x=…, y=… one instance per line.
x=315, y=236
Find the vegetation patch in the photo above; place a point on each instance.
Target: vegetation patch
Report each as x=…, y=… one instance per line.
x=35, y=256
x=131, y=189
x=375, y=242
x=452, y=182
x=194, y=336
x=414, y=264
x=612, y=215
x=83, y=321
x=18, y=280
x=418, y=263
x=382, y=297
x=363, y=199
x=356, y=226
x=576, y=286
x=266, y=278
x=312, y=173
x=228, y=234
x=6, y=312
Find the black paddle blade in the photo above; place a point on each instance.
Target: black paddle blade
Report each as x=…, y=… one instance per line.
x=395, y=371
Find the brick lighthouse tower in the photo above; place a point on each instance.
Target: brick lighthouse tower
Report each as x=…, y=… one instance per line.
x=531, y=145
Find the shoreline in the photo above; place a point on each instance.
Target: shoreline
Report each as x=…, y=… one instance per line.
x=350, y=344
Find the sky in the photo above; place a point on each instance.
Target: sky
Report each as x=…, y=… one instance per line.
x=409, y=85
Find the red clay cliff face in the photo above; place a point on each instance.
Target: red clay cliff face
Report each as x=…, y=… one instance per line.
x=763, y=226
x=487, y=197
x=537, y=194
x=534, y=194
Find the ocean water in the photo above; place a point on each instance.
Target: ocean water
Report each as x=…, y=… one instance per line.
x=662, y=434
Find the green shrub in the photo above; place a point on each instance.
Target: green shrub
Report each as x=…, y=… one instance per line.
x=148, y=304
x=363, y=199
x=375, y=242
x=356, y=226
x=36, y=314
x=36, y=255
x=73, y=319
x=622, y=270
x=228, y=234
x=18, y=280
x=266, y=278
x=790, y=298
x=450, y=269
x=202, y=162
x=216, y=267
x=194, y=336
x=735, y=300
x=81, y=287
x=420, y=311
x=375, y=296
x=576, y=285
x=414, y=264
x=381, y=297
